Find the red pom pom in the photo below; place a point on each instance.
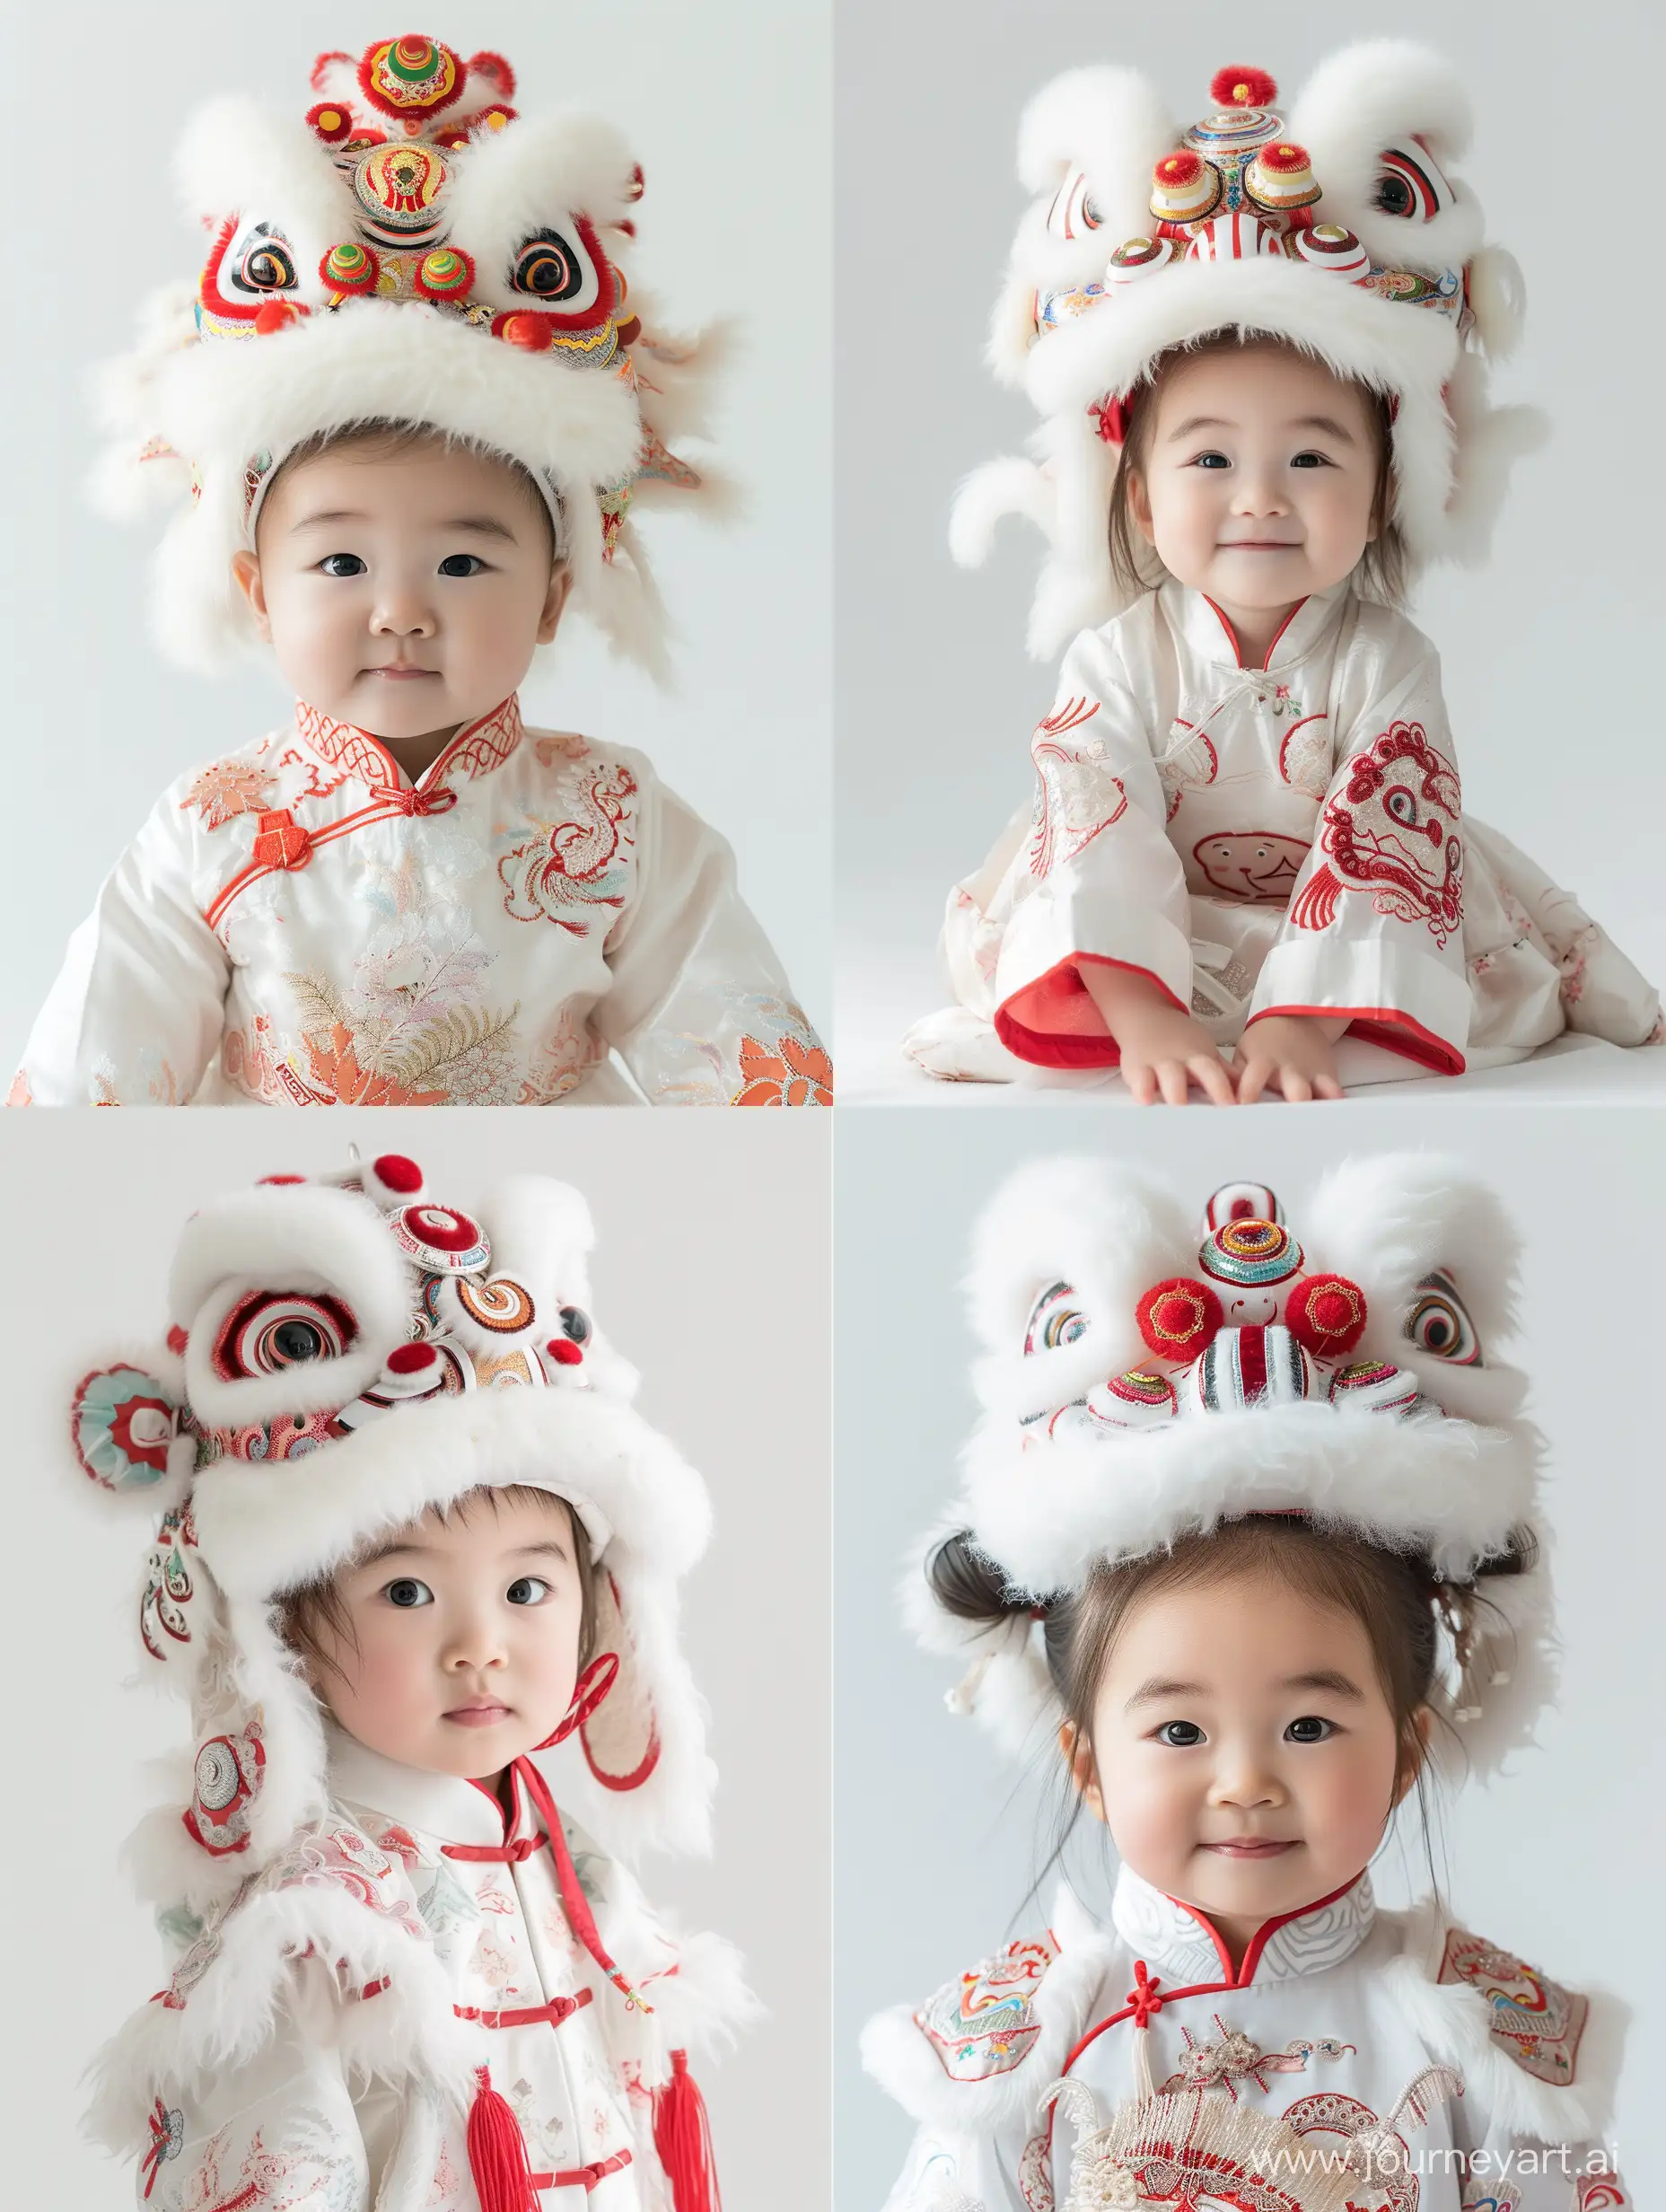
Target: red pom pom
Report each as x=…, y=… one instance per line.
x=494, y=65
x=1325, y=1314
x=535, y=333
x=177, y=1341
x=1242, y=88
x=564, y=1351
x=1182, y=167
x=445, y=274
x=410, y=1359
x=276, y=315
x=395, y=1172
x=1284, y=160
x=322, y=63
x=267, y=1180
x=330, y=120
x=1178, y=1318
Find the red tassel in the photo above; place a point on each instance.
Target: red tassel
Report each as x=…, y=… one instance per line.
x=682, y=2136
x=503, y=2179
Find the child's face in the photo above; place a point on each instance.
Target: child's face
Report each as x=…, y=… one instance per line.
x=467, y=1636
x=1260, y=478
x=1244, y=1752
x=403, y=592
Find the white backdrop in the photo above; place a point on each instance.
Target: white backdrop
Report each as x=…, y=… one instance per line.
x=937, y=1839
x=1545, y=651
x=702, y=1221
x=729, y=108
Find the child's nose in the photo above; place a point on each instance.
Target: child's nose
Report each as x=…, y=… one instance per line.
x=401, y=612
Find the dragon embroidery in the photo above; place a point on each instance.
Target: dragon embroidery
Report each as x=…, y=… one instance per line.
x=575, y=865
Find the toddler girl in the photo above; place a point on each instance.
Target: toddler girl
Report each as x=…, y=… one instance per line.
x=1264, y=413
x=1252, y=1583
x=416, y=1573
x=415, y=410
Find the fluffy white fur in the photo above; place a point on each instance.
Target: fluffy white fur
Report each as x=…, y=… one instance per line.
x=900, y=2059
x=237, y=159
x=533, y=177
x=1382, y=93
x=284, y=1238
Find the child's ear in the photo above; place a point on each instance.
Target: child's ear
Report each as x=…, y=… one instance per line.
x=1139, y=503
x=246, y=569
x=1415, y=1754
x=555, y=599
x=1078, y=1755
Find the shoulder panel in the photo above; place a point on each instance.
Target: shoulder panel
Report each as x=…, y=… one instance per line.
x=1536, y=2021
x=983, y=2022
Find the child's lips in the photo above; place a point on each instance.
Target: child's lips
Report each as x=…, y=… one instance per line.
x=477, y=1716
x=398, y=671
x=1252, y=1847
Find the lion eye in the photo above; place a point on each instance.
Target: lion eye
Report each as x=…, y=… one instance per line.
x=575, y=1321
x=1400, y=803
x=1410, y=185
x=548, y=267
x=267, y=1333
x=1054, y=1319
x=1439, y=1323
x=266, y=263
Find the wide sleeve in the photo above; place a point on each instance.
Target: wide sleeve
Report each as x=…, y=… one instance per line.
x=1374, y=930
x=699, y=1008
x=278, y=2128
x=956, y=2173
x=135, y=1017
x=1099, y=881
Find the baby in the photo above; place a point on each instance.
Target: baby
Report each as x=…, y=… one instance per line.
x=1248, y=830
x=415, y=414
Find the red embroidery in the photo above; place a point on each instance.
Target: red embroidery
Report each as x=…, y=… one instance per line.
x=574, y=865
x=227, y=788
x=1076, y=796
x=280, y=841
x=1393, y=831
x=1539, y=2023
x=1257, y=866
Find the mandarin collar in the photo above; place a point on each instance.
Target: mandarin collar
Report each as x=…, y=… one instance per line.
x=443, y=1806
x=1209, y=632
x=476, y=750
x=1180, y=1942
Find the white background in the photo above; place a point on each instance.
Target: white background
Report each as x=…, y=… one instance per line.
x=1548, y=651
x=710, y=1274
x=938, y=1839
x=727, y=108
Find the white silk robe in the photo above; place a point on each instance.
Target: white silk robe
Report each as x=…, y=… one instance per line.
x=299, y=924
x=332, y=2100
x=1286, y=839
x=1483, y=2081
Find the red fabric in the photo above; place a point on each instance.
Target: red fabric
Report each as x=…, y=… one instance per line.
x=1383, y=1025
x=573, y=1902
x=1075, y=1035
x=682, y=2136
x=564, y=1351
x=497, y=2159
x=588, y=1692
x=1327, y=1315
x=1237, y=86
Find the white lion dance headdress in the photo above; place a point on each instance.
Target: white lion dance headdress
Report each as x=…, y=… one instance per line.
x=342, y=1354
x=1348, y=232
x=412, y=250
x=1142, y=1377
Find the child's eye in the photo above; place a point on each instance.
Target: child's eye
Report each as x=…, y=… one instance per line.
x=1310, y=461
x=462, y=564
x=1210, y=461
x=342, y=565
x=1311, y=1729
x=1181, y=1735
x=530, y=1590
x=408, y=1593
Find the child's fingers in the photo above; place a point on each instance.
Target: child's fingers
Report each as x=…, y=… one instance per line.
x=1141, y=1078
x=1252, y=1081
x=1327, y=1087
x=1296, y=1085
x=1174, y=1082
x=1212, y=1079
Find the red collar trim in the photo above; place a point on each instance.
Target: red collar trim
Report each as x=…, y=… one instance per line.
x=475, y=750
x=1237, y=655
x=1259, y=1942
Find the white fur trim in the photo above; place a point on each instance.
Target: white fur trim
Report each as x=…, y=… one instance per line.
x=513, y=182
x=281, y=1239
x=706, y=2005
x=1011, y=485
x=1382, y=93
x=1497, y=299
x=904, y=2063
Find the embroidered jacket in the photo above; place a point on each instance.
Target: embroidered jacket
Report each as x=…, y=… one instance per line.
x=1470, y=2078
x=299, y=924
x=1286, y=839
x=318, y=2042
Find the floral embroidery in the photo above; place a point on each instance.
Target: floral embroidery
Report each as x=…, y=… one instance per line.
x=1539, y=2023
x=1235, y=2056
x=561, y=1062
x=575, y=865
x=1076, y=794
x=313, y=2168
x=1385, y=2153
x=342, y=1858
x=227, y=788
x=797, y=1073
x=1190, y=762
x=167, y=2134
x=984, y=2024
x=1394, y=831
x=1305, y=756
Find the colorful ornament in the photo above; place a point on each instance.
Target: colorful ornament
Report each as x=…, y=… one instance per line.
x=1330, y=247
x=1375, y=1385
x=1183, y=188
x=1179, y=1317
x=400, y=190
x=269, y=1333
x=1136, y=257
x=1236, y=87
x=1259, y=1365
x=447, y=273
x=1240, y=1202
x=1281, y=179
x=1055, y=1318
x=349, y=268
x=1250, y=1252
x=1138, y=1399
x=330, y=120
x=442, y=1239
x=1439, y=1323
x=1327, y=1315
x=227, y=1781
x=411, y=78
x=122, y=1423
x=501, y=1305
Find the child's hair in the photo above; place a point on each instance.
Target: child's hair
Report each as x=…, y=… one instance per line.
x=1395, y=1597
x=1135, y=563
x=384, y=438
x=313, y=1613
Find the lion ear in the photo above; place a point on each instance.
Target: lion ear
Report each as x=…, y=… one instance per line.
x=124, y=1427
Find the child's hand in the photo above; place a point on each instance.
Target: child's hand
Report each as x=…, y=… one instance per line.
x=1294, y=1053
x=1163, y=1051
